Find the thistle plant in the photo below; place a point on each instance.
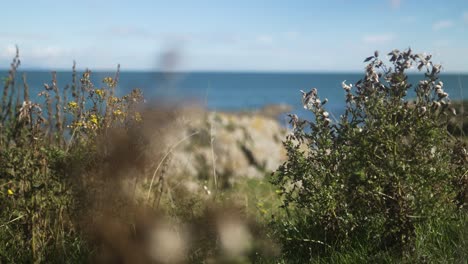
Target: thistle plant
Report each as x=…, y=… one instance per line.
x=385, y=167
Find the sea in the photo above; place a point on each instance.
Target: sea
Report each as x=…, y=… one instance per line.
x=235, y=91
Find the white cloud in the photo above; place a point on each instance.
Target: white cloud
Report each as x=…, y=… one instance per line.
x=442, y=24
x=378, y=38
x=395, y=3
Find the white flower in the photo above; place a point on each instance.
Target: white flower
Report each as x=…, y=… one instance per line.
x=454, y=112
x=307, y=98
x=346, y=87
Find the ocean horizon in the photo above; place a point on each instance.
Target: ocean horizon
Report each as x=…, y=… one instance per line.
x=234, y=91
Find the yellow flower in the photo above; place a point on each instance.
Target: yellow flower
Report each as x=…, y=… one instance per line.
x=109, y=81
x=117, y=112
x=10, y=192
x=72, y=105
x=93, y=119
x=99, y=92
x=114, y=99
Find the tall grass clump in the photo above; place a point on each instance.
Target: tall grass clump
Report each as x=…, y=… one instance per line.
x=46, y=141
x=372, y=181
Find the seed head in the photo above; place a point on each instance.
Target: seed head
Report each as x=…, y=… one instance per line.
x=345, y=86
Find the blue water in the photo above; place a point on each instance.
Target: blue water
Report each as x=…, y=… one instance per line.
x=237, y=91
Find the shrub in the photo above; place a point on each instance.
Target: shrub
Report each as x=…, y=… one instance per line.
x=387, y=166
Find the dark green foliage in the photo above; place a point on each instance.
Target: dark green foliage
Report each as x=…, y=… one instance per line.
x=387, y=166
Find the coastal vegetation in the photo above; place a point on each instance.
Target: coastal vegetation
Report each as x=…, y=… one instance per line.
x=380, y=177
x=89, y=176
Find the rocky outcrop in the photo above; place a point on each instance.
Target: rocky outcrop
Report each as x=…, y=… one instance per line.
x=232, y=145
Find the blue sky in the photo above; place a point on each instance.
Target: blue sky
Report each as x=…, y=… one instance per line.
x=332, y=35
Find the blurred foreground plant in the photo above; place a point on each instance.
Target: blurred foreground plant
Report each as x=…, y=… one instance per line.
x=387, y=166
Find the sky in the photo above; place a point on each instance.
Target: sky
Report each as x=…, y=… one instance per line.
x=274, y=35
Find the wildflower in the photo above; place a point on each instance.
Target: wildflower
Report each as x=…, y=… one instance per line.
x=294, y=120
x=423, y=82
x=454, y=112
x=99, y=92
x=93, y=119
x=109, y=81
x=117, y=112
x=346, y=87
x=308, y=97
x=114, y=99
x=10, y=192
x=325, y=114
x=408, y=64
x=72, y=105
x=25, y=110
x=423, y=109
x=442, y=94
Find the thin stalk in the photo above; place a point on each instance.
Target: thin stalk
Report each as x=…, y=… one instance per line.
x=215, y=178
x=164, y=158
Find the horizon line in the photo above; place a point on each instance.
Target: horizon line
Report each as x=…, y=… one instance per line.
x=237, y=71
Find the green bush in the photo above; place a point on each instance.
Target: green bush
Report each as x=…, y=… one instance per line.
x=387, y=166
